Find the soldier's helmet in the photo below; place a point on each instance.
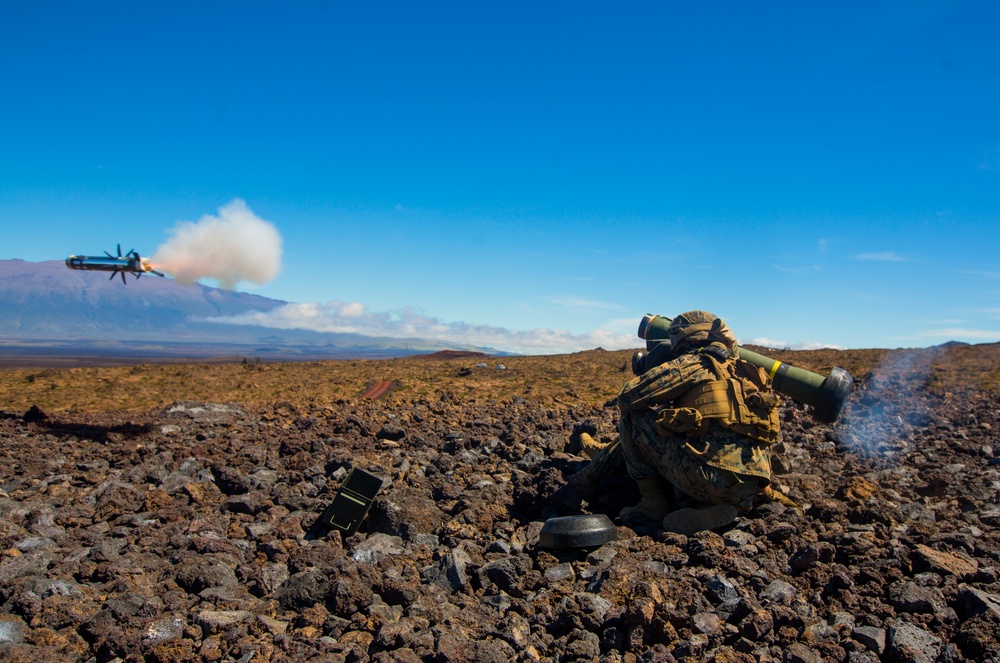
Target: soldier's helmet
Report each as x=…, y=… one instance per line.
x=695, y=329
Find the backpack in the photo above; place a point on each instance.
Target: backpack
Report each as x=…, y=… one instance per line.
x=738, y=399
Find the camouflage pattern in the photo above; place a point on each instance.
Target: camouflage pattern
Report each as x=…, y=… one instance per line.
x=663, y=383
x=719, y=466
x=696, y=328
x=649, y=455
x=608, y=462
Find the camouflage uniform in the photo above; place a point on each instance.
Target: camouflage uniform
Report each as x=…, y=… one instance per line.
x=716, y=466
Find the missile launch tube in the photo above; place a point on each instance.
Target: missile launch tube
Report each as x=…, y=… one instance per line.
x=826, y=394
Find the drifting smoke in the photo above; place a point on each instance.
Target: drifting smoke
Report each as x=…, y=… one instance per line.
x=234, y=246
x=881, y=418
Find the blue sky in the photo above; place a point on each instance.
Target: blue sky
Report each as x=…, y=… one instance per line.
x=536, y=176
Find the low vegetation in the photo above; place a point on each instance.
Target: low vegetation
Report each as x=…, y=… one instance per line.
x=590, y=377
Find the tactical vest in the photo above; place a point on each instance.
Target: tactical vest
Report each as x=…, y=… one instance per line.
x=740, y=400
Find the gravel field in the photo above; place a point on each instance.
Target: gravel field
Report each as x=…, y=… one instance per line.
x=178, y=533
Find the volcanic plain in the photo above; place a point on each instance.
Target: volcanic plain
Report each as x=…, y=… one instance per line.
x=163, y=512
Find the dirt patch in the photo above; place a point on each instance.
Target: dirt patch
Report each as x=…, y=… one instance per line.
x=378, y=389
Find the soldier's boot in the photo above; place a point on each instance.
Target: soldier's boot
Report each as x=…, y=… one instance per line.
x=769, y=494
x=688, y=521
x=590, y=446
x=655, y=502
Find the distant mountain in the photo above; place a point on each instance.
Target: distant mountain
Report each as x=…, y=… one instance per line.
x=52, y=309
x=952, y=344
x=45, y=300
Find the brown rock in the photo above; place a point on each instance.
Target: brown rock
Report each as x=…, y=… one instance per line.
x=756, y=625
x=272, y=625
x=731, y=656
x=157, y=499
x=177, y=651
x=115, y=498
x=929, y=559
x=211, y=649
x=359, y=638
x=47, y=637
x=314, y=615
x=857, y=490
x=203, y=492
x=406, y=512
x=58, y=611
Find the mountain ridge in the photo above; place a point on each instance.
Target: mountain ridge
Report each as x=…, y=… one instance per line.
x=49, y=310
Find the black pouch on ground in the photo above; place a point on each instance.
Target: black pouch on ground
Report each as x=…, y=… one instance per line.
x=349, y=506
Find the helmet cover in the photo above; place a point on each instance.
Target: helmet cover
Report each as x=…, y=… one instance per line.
x=699, y=328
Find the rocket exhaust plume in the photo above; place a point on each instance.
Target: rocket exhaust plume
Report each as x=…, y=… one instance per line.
x=234, y=246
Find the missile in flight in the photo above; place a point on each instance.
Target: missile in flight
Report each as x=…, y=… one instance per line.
x=131, y=263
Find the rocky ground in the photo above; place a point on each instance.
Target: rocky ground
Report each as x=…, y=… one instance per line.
x=178, y=533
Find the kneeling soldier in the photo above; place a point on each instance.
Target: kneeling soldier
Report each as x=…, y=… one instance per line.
x=700, y=423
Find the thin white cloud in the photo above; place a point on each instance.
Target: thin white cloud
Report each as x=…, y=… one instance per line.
x=881, y=256
x=789, y=270
x=956, y=333
x=983, y=273
x=796, y=270
x=816, y=345
x=353, y=318
x=783, y=345
x=582, y=303
x=630, y=322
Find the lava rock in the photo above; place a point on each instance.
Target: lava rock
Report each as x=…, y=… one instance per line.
x=908, y=643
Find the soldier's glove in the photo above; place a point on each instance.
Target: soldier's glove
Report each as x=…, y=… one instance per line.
x=772, y=495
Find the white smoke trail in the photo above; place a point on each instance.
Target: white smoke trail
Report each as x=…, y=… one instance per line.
x=234, y=246
x=878, y=422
